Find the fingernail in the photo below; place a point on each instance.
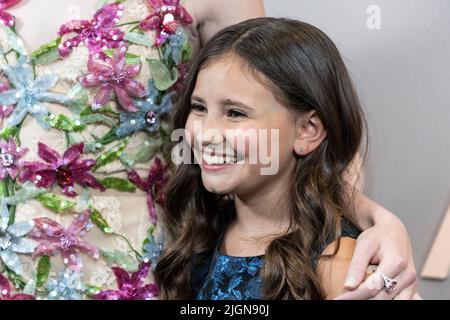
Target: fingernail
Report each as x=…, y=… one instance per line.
x=350, y=282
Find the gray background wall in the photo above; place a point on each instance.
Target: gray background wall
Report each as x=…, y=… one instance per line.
x=402, y=73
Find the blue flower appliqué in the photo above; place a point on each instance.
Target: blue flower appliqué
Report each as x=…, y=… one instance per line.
x=148, y=116
x=29, y=93
x=67, y=287
x=152, y=249
x=174, y=49
x=13, y=241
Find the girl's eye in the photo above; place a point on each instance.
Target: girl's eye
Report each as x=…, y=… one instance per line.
x=198, y=108
x=236, y=114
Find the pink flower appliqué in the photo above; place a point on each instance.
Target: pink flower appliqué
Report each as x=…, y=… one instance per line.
x=64, y=171
x=130, y=287
x=10, y=155
x=98, y=34
x=165, y=17
x=53, y=238
x=183, y=70
x=153, y=185
x=117, y=78
x=6, y=18
x=5, y=291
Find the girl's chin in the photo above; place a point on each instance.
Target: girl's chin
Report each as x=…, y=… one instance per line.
x=219, y=186
x=219, y=190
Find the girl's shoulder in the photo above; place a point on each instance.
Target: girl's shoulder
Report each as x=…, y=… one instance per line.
x=347, y=230
x=335, y=259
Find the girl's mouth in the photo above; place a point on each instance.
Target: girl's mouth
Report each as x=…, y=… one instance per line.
x=218, y=162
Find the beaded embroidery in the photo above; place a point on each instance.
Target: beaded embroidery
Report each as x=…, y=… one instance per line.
x=102, y=88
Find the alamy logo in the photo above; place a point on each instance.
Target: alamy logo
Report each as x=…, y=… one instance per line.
x=374, y=19
x=252, y=146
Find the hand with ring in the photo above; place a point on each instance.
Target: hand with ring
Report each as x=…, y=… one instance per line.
x=387, y=246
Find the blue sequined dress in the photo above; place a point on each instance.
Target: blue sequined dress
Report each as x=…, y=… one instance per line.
x=216, y=276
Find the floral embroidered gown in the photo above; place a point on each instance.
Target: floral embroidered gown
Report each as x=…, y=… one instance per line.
x=84, y=150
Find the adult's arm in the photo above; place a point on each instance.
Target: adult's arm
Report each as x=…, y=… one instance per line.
x=384, y=242
x=211, y=16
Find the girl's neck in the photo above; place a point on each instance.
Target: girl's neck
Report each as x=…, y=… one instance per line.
x=261, y=215
x=260, y=218
x=38, y=21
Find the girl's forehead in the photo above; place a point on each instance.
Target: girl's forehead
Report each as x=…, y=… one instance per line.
x=231, y=77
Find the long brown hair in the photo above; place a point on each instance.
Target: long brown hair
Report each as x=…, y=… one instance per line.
x=306, y=72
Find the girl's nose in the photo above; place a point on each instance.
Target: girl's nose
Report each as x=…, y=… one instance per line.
x=211, y=133
x=210, y=136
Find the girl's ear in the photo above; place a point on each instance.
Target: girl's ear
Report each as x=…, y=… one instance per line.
x=310, y=133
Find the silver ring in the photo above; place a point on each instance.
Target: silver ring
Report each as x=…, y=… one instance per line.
x=389, y=284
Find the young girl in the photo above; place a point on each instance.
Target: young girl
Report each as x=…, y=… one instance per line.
x=238, y=234
x=69, y=33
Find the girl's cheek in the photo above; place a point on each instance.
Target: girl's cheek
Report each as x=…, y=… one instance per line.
x=245, y=144
x=189, y=129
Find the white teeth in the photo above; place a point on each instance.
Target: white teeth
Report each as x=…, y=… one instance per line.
x=231, y=161
x=218, y=160
x=208, y=158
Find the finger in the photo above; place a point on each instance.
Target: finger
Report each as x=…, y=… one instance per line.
x=417, y=297
x=405, y=289
x=357, y=269
x=393, y=267
x=373, y=285
x=408, y=286
x=398, y=293
x=407, y=294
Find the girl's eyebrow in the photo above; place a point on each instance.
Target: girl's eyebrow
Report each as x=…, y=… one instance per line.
x=226, y=103
x=230, y=102
x=198, y=99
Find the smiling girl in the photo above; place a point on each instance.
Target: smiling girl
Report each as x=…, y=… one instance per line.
x=239, y=234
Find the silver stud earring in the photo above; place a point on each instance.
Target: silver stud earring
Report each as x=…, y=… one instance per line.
x=301, y=150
